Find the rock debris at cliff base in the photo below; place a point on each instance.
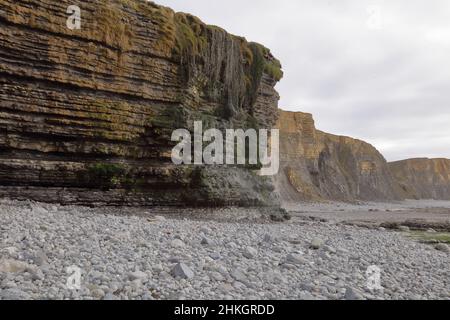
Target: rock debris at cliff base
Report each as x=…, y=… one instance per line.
x=163, y=257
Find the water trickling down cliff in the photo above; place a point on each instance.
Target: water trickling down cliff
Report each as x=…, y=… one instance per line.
x=86, y=115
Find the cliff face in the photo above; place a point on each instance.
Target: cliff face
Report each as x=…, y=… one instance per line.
x=318, y=165
x=423, y=178
x=86, y=115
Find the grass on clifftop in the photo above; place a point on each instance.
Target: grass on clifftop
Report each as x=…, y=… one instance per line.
x=183, y=34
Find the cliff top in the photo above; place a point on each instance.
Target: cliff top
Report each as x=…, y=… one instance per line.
x=291, y=121
x=422, y=160
x=185, y=33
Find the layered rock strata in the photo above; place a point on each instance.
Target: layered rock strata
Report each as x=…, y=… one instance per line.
x=423, y=178
x=86, y=115
x=318, y=165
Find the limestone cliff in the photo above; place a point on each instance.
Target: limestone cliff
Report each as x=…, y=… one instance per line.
x=86, y=115
x=423, y=178
x=317, y=165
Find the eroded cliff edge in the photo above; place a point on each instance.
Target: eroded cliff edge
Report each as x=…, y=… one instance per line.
x=317, y=165
x=86, y=115
x=423, y=178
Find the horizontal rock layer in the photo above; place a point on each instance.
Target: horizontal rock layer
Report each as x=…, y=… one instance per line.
x=423, y=178
x=86, y=115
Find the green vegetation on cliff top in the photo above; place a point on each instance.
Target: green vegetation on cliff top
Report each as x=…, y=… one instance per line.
x=185, y=35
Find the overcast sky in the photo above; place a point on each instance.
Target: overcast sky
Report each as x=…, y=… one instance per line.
x=374, y=70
